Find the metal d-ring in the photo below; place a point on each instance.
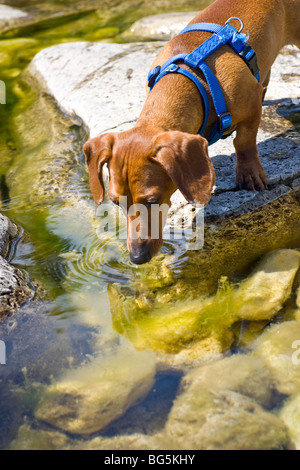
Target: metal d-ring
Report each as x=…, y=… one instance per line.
x=236, y=18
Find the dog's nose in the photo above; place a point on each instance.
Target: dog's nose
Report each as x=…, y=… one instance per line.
x=142, y=257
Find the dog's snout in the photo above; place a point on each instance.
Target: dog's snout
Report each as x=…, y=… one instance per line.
x=141, y=255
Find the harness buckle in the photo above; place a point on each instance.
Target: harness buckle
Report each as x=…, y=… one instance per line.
x=153, y=74
x=249, y=56
x=224, y=121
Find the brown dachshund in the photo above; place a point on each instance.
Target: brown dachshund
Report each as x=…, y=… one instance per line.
x=163, y=152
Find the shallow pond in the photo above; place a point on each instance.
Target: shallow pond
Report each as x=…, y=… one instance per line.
x=96, y=318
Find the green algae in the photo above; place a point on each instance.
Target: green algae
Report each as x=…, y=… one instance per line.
x=172, y=326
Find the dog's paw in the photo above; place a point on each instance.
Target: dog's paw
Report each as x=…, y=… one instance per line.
x=252, y=178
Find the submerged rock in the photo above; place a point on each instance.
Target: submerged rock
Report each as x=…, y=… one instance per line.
x=203, y=326
x=241, y=373
x=279, y=348
x=290, y=415
x=223, y=420
x=87, y=399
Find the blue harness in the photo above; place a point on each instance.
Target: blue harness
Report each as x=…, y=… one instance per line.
x=221, y=35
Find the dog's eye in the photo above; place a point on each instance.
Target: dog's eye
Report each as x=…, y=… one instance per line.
x=152, y=202
x=116, y=202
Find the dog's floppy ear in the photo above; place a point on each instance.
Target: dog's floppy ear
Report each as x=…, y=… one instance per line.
x=185, y=159
x=97, y=152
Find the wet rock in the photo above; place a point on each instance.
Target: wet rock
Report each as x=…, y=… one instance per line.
x=8, y=231
x=279, y=347
x=14, y=289
x=158, y=27
x=87, y=399
x=290, y=415
x=223, y=420
x=241, y=373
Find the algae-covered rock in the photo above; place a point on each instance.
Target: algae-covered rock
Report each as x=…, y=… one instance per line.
x=279, y=347
x=290, y=415
x=174, y=326
x=29, y=438
x=242, y=373
x=203, y=325
x=223, y=420
x=85, y=400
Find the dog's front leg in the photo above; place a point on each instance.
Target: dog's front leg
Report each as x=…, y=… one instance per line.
x=249, y=171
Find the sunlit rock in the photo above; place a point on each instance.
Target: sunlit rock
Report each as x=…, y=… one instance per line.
x=85, y=400
x=223, y=420
x=263, y=294
x=279, y=346
x=158, y=27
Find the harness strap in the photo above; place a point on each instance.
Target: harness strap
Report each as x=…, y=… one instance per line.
x=221, y=35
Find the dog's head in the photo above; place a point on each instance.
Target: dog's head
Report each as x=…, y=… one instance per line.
x=147, y=171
